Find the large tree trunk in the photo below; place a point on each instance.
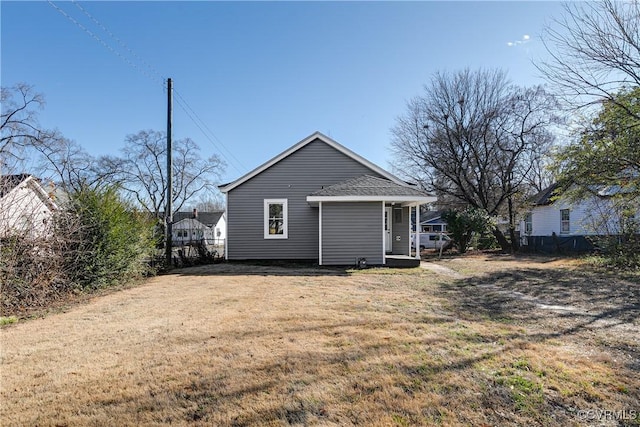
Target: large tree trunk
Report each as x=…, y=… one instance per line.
x=502, y=240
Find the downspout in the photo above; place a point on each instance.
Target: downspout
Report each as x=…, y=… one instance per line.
x=226, y=214
x=384, y=236
x=320, y=233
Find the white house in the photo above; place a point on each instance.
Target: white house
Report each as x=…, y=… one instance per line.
x=191, y=227
x=26, y=208
x=560, y=218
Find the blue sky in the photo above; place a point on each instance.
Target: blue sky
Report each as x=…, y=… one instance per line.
x=260, y=75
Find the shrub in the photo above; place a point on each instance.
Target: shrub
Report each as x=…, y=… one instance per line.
x=107, y=241
x=463, y=224
x=31, y=273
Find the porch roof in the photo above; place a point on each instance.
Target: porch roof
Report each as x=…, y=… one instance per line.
x=368, y=188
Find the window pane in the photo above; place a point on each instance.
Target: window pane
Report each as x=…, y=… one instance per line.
x=275, y=210
x=276, y=226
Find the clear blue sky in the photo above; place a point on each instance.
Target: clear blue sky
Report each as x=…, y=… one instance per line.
x=260, y=75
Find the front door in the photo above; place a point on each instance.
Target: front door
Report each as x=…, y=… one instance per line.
x=387, y=229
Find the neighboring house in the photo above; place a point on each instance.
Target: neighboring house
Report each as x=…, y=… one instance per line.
x=432, y=222
x=556, y=220
x=190, y=227
x=320, y=201
x=25, y=206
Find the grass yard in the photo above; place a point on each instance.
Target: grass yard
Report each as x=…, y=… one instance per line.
x=480, y=340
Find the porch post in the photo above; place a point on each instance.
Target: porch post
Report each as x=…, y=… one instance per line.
x=417, y=231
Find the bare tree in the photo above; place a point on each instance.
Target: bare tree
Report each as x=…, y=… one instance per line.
x=595, y=51
x=19, y=127
x=141, y=170
x=210, y=203
x=473, y=138
x=71, y=166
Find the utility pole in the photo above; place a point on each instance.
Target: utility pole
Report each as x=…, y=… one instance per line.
x=169, y=209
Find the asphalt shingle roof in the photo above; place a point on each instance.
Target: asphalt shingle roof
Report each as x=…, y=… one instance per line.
x=367, y=185
x=544, y=197
x=207, y=218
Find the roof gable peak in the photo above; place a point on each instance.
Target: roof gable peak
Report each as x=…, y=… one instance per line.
x=311, y=138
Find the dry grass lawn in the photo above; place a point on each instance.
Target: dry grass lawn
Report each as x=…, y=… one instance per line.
x=481, y=340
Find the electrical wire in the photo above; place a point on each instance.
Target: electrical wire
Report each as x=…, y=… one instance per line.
x=156, y=78
x=152, y=69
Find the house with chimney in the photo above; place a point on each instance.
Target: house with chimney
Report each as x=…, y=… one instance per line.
x=194, y=227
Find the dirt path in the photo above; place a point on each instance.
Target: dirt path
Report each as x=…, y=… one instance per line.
x=440, y=269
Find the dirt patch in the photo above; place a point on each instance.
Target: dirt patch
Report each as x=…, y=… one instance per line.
x=234, y=345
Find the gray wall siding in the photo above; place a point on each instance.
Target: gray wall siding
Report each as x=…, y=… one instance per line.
x=400, y=247
x=351, y=231
x=294, y=178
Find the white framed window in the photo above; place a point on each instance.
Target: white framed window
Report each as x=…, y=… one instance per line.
x=528, y=224
x=565, y=221
x=276, y=222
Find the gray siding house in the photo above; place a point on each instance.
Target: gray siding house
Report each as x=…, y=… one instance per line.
x=320, y=201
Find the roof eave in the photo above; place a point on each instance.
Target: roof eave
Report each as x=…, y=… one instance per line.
x=405, y=200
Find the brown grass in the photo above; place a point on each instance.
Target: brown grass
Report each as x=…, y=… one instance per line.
x=511, y=342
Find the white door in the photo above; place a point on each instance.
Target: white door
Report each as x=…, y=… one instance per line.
x=387, y=229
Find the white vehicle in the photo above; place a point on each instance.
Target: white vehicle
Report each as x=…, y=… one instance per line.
x=432, y=241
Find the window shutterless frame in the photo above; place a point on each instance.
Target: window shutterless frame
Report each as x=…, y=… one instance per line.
x=276, y=219
x=565, y=221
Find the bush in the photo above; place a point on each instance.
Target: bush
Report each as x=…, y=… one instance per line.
x=31, y=273
x=464, y=224
x=96, y=240
x=621, y=251
x=107, y=241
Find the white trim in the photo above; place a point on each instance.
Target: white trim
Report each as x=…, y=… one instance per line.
x=384, y=248
x=31, y=182
x=320, y=234
x=397, y=199
x=285, y=218
x=417, y=235
x=226, y=239
x=301, y=144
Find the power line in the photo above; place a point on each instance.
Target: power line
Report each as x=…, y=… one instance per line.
x=156, y=78
x=98, y=39
x=182, y=100
x=119, y=41
x=182, y=104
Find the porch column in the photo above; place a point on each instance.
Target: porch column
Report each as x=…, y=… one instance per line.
x=417, y=231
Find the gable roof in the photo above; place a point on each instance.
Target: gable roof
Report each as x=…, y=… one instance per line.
x=313, y=137
x=370, y=188
x=209, y=219
x=10, y=182
x=430, y=216
x=543, y=197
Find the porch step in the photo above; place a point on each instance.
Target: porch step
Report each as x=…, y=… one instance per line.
x=401, y=261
